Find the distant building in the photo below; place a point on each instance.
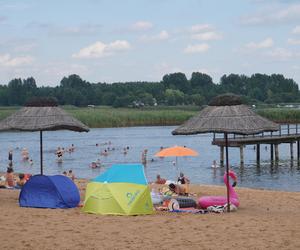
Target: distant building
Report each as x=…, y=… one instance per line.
x=138, y=104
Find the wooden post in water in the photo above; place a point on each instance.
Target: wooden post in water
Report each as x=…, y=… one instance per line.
x=242, y=155
x=276, y=153
x=292, y=150
x=222, y=156
x=258, y=154
x=272, y=152
x=298, y=151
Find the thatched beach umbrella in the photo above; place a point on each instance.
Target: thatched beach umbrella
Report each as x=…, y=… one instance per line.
x=41, y=115
x=226, y=114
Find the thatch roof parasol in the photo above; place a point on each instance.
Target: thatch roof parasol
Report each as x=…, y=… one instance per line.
x=41, y=115
x=42, y=118
x=226, y=114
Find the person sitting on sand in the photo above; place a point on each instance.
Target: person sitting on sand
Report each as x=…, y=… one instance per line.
x=9, y=178
x=160, y=180
x=178, y=189
x=71, y=175
x=65, y=173
x=182, y=179
x=21, y=181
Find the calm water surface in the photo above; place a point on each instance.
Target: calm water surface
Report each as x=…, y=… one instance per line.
x=285, y=176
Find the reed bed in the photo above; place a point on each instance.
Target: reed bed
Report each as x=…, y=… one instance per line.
x=124, y=117
x=281, y=115
x=105, y=117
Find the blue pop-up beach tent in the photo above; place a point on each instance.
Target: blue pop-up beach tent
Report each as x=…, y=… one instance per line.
x=43, y=191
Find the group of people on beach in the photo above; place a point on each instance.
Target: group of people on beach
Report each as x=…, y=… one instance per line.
x=12, y=181
x=69, y=174
x=179, y=188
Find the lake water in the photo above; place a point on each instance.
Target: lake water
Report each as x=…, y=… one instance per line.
x=285, y=176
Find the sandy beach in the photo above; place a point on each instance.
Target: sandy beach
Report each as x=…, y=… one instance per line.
x=265, y=220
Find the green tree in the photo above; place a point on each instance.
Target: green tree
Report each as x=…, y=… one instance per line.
x=174, y=96
x=176, y=81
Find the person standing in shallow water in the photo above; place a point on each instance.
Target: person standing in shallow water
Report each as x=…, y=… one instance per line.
x=144, y=156
x=10, y=157
x=59, y=153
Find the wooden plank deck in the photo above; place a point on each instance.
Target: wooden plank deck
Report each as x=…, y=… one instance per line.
x=250, y=140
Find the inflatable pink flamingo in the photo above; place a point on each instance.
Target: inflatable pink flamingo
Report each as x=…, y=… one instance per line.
x=207, y=201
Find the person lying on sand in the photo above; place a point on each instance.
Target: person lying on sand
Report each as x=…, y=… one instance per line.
x=178, y=189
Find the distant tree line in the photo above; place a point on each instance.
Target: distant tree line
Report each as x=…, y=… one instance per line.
x=173, y=89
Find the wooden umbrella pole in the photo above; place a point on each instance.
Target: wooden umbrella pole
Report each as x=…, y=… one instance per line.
x=41, y=150
x=227, y=172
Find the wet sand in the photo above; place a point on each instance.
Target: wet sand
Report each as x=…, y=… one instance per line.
x=265, y=220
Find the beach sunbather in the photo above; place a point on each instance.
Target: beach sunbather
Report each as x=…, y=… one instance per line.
x=178, y=189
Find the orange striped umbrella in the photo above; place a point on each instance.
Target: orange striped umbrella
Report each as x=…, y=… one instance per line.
x=176, y=151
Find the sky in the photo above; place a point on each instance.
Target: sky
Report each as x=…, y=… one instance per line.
x=142, y=40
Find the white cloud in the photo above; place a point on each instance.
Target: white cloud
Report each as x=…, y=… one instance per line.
x=207, y=36
x=200, y=28
x=281, y=54
x=267, y=43
x=100, y=49
x=204, y=32
x=163, y=35
x=296, y=30
x=274, y=15
x=293, y=41
x=7, y=60
x=196, y=48
x=142, y=26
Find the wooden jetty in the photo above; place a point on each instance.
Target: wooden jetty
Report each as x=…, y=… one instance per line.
x=288, y=133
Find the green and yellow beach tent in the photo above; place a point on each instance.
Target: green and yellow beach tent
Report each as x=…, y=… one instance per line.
x=121, y=190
